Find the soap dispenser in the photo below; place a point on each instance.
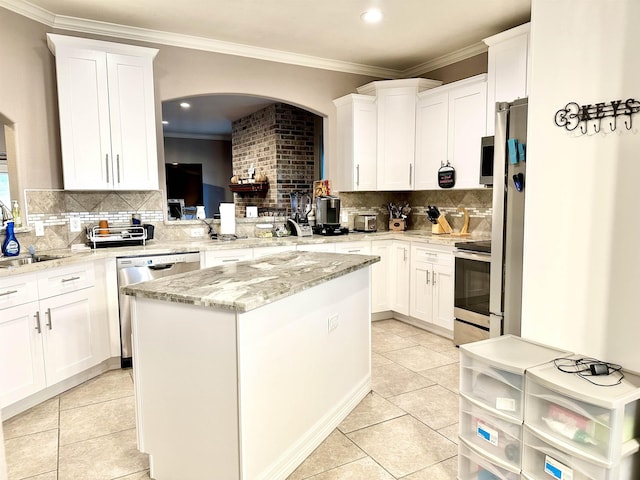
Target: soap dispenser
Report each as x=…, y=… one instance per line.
x=10, y=246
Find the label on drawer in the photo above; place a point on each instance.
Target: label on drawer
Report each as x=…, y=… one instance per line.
x=487, y=433
x=556, y=469
x=507, y=404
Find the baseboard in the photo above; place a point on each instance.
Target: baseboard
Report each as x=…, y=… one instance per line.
x=443, y=332
x=58, y=388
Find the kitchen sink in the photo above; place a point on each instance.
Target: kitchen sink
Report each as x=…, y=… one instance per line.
x=17, y=262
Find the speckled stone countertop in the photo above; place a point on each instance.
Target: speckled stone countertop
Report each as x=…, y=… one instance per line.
x=247, y=285
x=154, y=247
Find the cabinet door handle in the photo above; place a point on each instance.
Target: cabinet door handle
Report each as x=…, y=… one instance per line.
x=404, y=253
x=37, y=317
x=49, y=322
x=118, y=166
x=410, y=172
x=8, y=292
x=106, y=164
x=70, y=279
x=434, y=279
x=358, y=175
x=428, y=277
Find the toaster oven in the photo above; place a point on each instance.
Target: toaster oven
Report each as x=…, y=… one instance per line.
x=365, y=223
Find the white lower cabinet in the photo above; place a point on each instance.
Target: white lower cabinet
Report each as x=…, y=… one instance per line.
x=381, y=280
x=223, y=257
x=358, y=248
x=317, y=247
x=432, y=285
x=54, y=336
x=401, y=257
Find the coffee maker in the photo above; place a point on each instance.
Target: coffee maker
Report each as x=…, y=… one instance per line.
x=328, y=216
x=300, y=208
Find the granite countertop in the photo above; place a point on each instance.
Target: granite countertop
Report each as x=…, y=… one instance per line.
x=155, y=247
x=247, y=285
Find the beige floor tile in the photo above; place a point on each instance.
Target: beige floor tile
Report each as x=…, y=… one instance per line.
x=382, y=342
x=446, y=470
x=40, y=418
x=32, y=455
x=447, y=375
x=371, y=410
x=394, y=379
x=102, y=458
x=403, y=445
x=335, y=451
x=418, y=358
x=451, y=432
x=108, y=386
x=135, y=476
x=435, y=406
x=377, y=360
x=45, y=476
x=96, y=420
x=396, y=327
x=433, y=341
x=363, y=469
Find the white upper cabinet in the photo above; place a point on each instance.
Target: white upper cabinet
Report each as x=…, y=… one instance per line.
x=451, y=120
x=507, y=69
x=357, y=149
x=396, y=131
x=107, y=114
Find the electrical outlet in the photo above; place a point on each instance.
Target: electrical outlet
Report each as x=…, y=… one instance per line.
x=197, y=232
x=74, y=224
x=344, y=217
x=332, y=322
x=39, y=226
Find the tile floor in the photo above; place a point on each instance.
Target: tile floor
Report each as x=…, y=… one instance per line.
x=405, y=429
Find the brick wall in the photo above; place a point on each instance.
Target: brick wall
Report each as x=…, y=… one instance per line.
x=279, y=141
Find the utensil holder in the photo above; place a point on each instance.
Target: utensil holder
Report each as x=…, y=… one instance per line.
x=397, y=225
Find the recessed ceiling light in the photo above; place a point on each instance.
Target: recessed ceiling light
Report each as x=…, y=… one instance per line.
x=185, y=105
x=165, y=122
x=371, y=16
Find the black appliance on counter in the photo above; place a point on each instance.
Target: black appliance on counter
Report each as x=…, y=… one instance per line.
x=328, y=216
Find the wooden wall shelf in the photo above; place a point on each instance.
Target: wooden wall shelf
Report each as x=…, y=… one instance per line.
x=258, y=188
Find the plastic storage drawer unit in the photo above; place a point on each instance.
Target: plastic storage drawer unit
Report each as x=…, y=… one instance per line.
x=492, y=371
x=594, y=422
x=542, y=461
x=498, y=438
x=474, y=466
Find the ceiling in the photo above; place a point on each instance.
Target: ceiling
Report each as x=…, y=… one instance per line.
x=414, y=37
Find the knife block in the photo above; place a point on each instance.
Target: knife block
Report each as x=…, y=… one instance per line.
x=436, y=229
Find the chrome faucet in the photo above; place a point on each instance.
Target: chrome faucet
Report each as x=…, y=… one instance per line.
x=6, y=213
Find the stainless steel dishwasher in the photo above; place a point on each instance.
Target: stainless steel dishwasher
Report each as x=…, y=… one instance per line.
x=141, y=269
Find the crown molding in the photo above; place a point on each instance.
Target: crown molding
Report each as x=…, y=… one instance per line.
x=445, y=60
x=95, y=27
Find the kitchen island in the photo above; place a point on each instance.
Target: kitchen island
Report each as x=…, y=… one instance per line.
x=242, y=370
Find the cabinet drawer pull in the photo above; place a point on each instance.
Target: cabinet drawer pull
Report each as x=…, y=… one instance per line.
x=353, y=251
x=37, y=317
x=227, y=260
x=106, y=164
x=8, y=292
x=49, y=319
x=70, y=279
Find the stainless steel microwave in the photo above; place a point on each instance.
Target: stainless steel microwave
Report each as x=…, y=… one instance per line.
x=486, y=161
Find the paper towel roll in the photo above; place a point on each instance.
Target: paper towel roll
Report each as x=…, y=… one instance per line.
x=227, y=219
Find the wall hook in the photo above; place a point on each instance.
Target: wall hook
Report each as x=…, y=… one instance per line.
x=612, y=126
x=583, y=130
x=628, y=125
x=597, y=127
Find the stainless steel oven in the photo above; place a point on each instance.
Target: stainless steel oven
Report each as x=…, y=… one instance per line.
x=471, y=293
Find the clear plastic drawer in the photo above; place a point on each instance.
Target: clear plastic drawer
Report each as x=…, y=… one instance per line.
x=499, y=438
x=578, y=425
x=474, y=466
x=492, y=371
x=542, y=461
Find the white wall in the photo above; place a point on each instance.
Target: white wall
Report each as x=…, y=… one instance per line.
x=582, y=262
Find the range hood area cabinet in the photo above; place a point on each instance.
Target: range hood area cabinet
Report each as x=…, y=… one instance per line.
x=396, y=102
x=107, y=114
x=450, y=122
x=357, y=153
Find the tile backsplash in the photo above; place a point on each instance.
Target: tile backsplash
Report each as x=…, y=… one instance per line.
x=55, y=208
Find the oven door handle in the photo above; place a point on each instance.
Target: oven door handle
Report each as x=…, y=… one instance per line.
x=481, y=257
